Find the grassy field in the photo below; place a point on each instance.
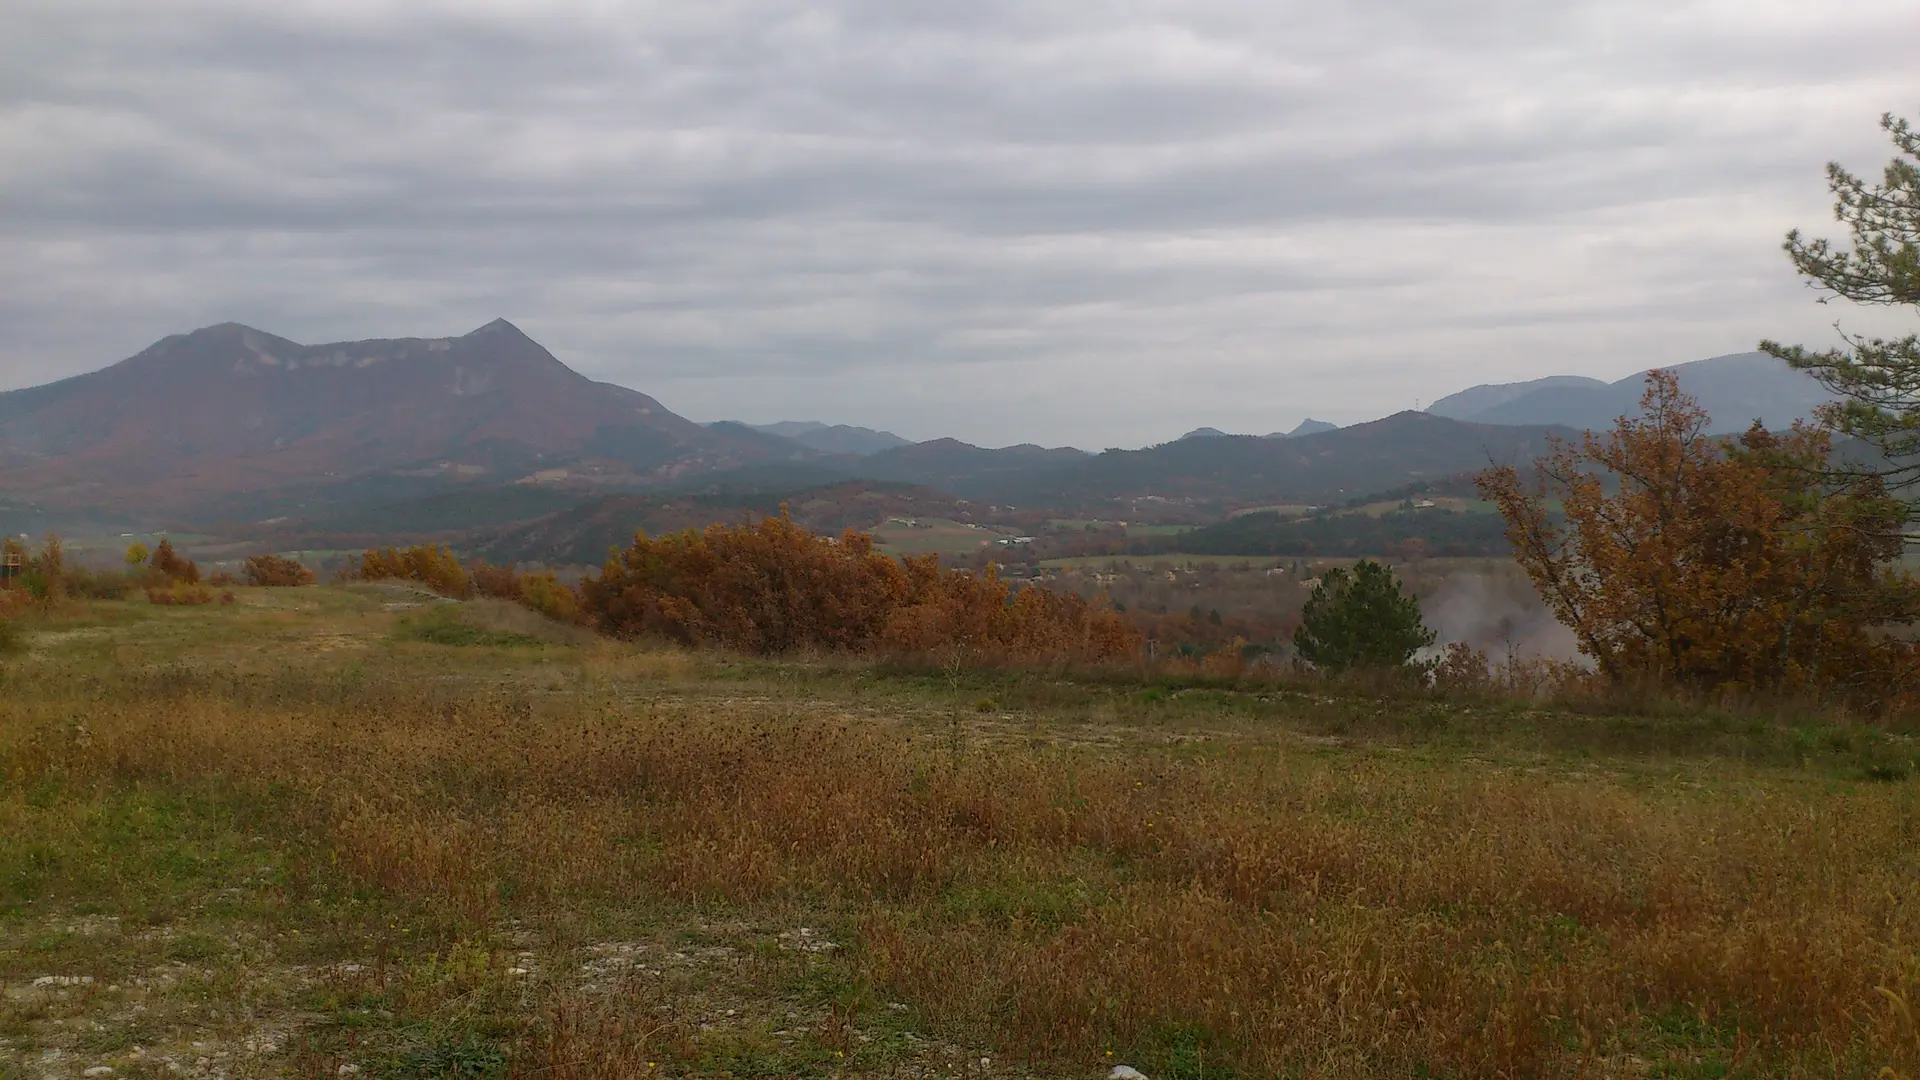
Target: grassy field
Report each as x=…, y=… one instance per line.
x=1172, y=558
x=359, y=831
x=1439, y=565
x=932, y=536
x=1441, y=502
x=1134, y=529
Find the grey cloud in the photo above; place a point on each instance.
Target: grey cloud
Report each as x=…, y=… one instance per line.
x=1098, y=222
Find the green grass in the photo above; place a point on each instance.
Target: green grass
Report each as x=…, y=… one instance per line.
x=445, y=624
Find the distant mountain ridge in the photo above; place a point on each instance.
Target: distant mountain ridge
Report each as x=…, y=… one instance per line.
x=833, y=438
x=1236, y=469
x=1243, y=469
x=1309, y=426
x=229, y=409
x=1735, y=389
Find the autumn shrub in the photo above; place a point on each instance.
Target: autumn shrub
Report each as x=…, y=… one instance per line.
x=432, y=565
x=545, y=593
x=186, y=594
x=772, y=587
x=500, y=582
x=1463, y=670
x=277, y=571
x=88, y=584
x=11, y=640
x=171, y=565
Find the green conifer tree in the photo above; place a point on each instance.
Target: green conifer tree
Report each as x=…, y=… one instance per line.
x=1359, y=618
x=1876, y=379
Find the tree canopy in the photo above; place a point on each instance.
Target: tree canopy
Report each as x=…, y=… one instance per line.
x=1683, y=559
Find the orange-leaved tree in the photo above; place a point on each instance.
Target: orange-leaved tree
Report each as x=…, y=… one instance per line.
x=1688, y=560
x=172, y=565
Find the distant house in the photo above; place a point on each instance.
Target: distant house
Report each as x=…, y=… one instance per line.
x=1423, y=504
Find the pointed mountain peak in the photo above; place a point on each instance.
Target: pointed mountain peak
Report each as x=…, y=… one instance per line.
x=499, y=326
x=222, y=330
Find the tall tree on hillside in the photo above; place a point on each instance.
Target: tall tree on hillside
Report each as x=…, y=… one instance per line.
x=1877, y=379
x=1680, y=559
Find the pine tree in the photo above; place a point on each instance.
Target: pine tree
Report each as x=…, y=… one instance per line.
x=1360, y=619
x=1877, y=379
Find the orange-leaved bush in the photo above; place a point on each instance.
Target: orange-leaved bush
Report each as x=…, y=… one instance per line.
x=172, y=565
x=773, y=587
x=186, y=594
x=542, y=590
x=432, y=565
x=277, y=571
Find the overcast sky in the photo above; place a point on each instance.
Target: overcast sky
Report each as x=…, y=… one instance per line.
x=1095, y=222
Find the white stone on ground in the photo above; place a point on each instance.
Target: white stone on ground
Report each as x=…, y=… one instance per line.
x=1126, y=1072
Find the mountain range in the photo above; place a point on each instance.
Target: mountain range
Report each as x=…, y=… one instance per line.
x=1309, y=426
x=1735, y=390
x=229, y=424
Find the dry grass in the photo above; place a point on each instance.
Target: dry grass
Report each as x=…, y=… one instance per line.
x=1253, y=904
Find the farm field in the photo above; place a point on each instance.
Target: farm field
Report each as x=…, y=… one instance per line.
x=932, y=536
x=1175, y=558
x=1440, y=502
x=339, y=831
x=1437, y=566
x=1133, y=529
